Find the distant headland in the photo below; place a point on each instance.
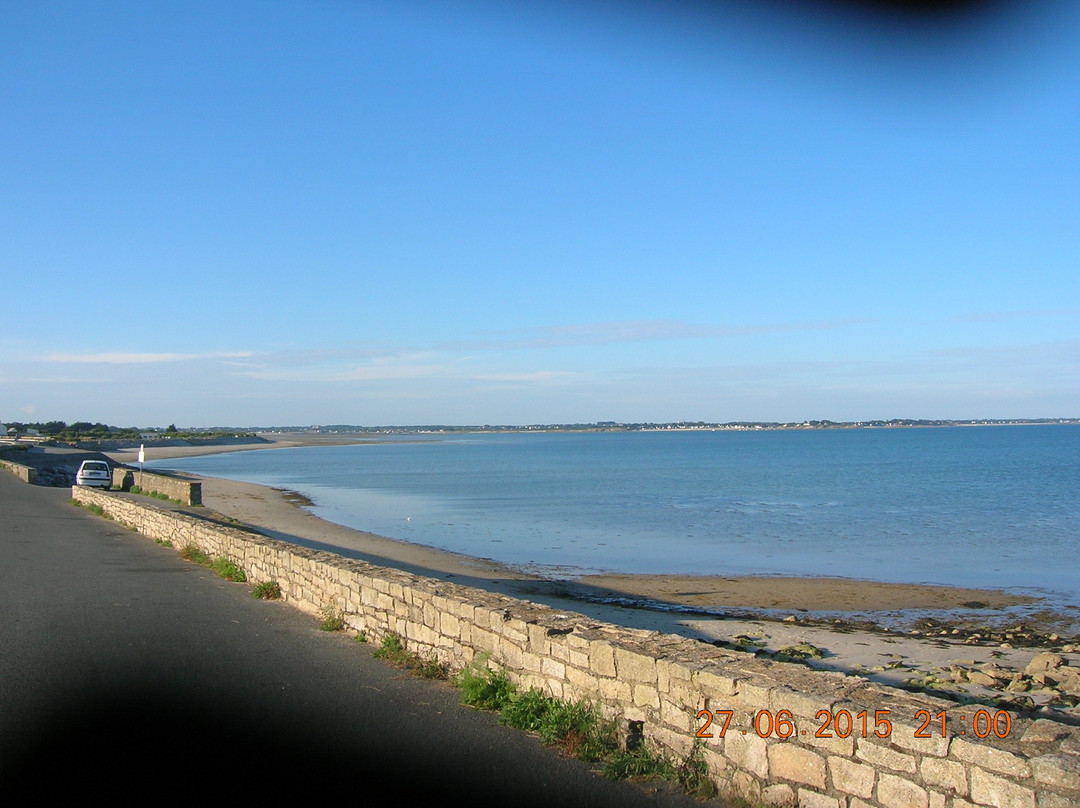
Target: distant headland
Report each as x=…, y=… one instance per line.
x=99, y=436
x=646, y=426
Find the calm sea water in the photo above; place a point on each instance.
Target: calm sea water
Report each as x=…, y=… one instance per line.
x=975, y=506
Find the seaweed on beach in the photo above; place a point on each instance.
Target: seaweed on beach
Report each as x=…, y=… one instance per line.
x=295, y=497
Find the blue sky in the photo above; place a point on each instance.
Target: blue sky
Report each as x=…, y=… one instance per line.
x=270, y=213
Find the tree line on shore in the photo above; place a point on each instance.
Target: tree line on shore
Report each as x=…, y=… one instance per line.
x=64, y=432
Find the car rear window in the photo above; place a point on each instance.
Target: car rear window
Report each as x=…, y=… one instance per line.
x=95, y=466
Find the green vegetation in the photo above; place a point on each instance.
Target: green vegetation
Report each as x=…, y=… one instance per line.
x=578, y=729
x=485, y=689
x=93, y=507
x=750, y=643
x=267, y=590
x=90, y=506
x=194, y=554
x=138, y=489
x=391, y=650
x=222, y=566
x=573, y=726
x=86, y=431
x=799, y=653
x=228, y=570
x=332, y=619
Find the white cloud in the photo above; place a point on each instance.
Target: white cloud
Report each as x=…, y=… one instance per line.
x=999, y=316
x=55, y=380
x=138, y=358
x=603, y=333
x=533, y=376
x=396, y=367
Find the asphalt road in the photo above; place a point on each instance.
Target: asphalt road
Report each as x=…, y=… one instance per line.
x=124, y=668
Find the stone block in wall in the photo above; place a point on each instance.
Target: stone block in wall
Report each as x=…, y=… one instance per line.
x=676, y=715
x=882, y=757
x=712, y=682
x=582, y=679
x=1048, y=800
x=449, y=624
x=987, y=757
x=903, y=735
x=947, y=775
x=798, y=704
x=844, y=747
x=990, y=789
x=899, y=792
x=678, y=744
x=615, y=690
x=635, y=667
x=780, y=795
x=509, y=654
x=748, y=752
x=538, y=640
x=850, y=777
x=602, y=659
x=647, y=696
x=533, y=663
x=797, y=763
x=812, y=799
x=551, y=667
x=754, y=695
x=1059, y=771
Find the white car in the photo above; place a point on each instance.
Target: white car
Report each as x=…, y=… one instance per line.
x=95, y=473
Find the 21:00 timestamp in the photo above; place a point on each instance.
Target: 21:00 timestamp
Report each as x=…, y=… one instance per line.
x=842, y=724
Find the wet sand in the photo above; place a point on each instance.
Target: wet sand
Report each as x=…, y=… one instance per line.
x=760, y=613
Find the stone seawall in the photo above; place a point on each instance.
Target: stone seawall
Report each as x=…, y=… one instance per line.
x=776, y=731
x=25, y=473
x=182, y=490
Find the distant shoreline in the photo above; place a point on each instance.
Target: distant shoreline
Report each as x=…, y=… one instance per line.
x=670, y=426
x=281, y=437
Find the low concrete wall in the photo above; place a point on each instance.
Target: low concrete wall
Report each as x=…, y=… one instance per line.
x=769, y=730
x=188, y=492
x=27, y=474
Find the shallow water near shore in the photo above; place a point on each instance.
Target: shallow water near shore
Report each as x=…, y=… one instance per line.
x=993, y=507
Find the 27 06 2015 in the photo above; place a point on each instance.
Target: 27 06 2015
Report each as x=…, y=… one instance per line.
x=863, y=723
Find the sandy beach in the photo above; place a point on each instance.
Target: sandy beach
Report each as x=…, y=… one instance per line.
x=880, y=630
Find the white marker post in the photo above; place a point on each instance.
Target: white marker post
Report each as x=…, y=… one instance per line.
x=142, y=457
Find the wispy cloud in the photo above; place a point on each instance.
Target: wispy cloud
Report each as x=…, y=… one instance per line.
x=462, y=360
x=404, y=366
x=138, y=358
x=601, y=333
x=55, y=380
x=540, y=376
x=999, y=316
